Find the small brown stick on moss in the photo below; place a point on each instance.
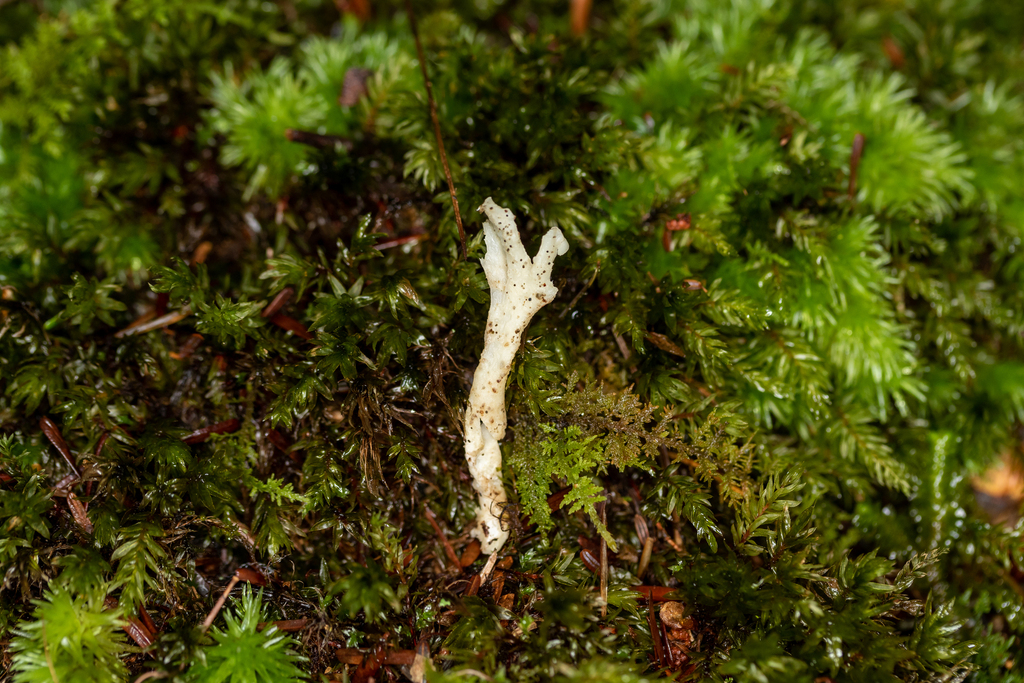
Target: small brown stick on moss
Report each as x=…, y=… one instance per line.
x=437, y=125
x=855, y=154
x=220, y=603
x=305, y=137
x=448, y=549
x=579, y=16
x=652, y=624
x=604, y=560
x=163, y=321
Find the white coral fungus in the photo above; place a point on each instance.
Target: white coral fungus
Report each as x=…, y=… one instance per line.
x=519, y=288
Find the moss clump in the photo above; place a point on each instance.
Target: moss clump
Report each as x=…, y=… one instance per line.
x=236, y=338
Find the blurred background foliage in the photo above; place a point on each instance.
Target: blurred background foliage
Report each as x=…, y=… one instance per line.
x=782, y=385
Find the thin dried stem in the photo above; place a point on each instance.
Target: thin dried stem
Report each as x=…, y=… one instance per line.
x=448, y=549
x=604, y=562
x=437, y=125
x=162, y=321
x=220, y=603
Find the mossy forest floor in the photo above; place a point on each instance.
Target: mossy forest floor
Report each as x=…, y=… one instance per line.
x=769, y=430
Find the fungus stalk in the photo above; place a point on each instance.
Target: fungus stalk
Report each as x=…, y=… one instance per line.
x=519, y=288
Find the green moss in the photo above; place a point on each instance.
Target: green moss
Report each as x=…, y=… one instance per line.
x=777, y=358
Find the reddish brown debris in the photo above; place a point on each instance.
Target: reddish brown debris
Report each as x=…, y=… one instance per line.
x=220, y=603
x=305, y=137
x=470, y=554
x=53, y=434
x=146, y=323
x=367, y=671
x=62, y=486
x=202, y=251
x=437, y=125
x=291, y=324
x=275, y=437
x=652, y=624
x=135, y=629
x=640, y=524
x=579, y=16
x=665, y=344
x=855, y=154
x=147, y=620
x=693, y=285
x=655, y=593
x=645, y=557
x=287, y=625
x=498, y=584
x=138, y=632
x=202, y=434
x=78, y=512
x=278, y=302
x=359, y=8
x=680, y=222
x=188, y=348
x=556, y=498
x=351, y=655
x=894, y=52
x=449, y=551
x=100, y=444
x=677, y=631
x=251, y=576
x=397, y=242
x=603, y=559
x=160, y=308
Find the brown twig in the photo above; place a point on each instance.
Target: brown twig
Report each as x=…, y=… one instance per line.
x=162, y=321
x=485, y=573
x=305, y=137
x=220, y=603
x=286, y=322
x=855, y=154
x=203, y=433
x=286, y=625
x=351, y=655
x=437, y=125
x=579, y=16
x=604, y=562
x=279, y=302
x=448, y=549
x=652, y=624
